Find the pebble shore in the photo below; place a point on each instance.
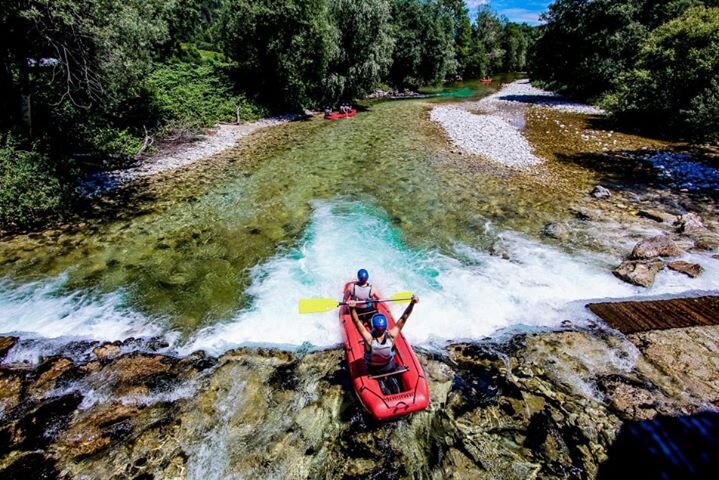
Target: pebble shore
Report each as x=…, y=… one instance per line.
x=487, y=135
x=221, y=138
x=495, y=133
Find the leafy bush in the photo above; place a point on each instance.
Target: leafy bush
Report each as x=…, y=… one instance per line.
x=30, y=186
x=703, y=112
x=193, y=96
x=673, y=86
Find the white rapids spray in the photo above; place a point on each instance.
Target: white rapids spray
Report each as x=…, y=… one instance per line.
x=468, y=299
x=467, y=296
x=43, y=309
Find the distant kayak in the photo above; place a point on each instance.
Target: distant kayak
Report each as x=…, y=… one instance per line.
x=414, y=390
x=338, y=115
x=486, y=81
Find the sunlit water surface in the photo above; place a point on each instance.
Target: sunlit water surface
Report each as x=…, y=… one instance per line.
x=218, y=255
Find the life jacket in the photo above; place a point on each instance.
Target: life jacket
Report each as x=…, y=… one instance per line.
x=362, y=292
x=381, y=353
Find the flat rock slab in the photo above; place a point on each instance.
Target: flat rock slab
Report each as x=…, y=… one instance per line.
x=636, y=316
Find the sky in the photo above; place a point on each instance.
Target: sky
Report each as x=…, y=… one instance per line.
x=516, y=10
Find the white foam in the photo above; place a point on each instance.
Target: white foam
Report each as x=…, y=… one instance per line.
x=44, y=309
x=468, y=297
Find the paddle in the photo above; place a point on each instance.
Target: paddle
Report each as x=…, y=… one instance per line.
x=318, y=305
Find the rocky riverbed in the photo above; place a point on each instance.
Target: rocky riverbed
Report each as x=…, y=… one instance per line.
x=543, y=405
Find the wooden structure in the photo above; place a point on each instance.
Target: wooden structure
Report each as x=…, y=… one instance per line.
x=640, y=316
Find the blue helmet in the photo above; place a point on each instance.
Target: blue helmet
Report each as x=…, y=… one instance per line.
x=379, y=324
x=362, y=275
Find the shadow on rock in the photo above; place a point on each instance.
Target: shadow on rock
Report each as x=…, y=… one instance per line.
x=666, y=447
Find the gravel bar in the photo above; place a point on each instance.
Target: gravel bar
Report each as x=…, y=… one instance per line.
x=496, y=133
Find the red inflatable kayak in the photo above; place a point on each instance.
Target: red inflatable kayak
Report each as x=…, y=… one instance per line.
x=338, y=115
x=414, y=394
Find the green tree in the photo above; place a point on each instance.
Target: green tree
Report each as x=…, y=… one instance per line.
x=365, y=48
x=674, y=86
x=462, y=31
x=515, y=41
x=65, y=60
x=424, y=49
x=487, y=49
x=585, y=45
x=283, y=49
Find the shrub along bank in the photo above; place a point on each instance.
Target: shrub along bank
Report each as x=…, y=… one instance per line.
x=651, y=63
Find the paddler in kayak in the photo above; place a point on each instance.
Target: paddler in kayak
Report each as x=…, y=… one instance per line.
x=362, y=293
x=379, y=341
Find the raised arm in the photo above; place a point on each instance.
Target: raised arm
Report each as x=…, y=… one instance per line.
x=395, y=331
x=360, y=328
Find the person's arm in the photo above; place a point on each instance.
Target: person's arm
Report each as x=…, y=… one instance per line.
x=366, y=336
x=348, y=293
x=395, y=331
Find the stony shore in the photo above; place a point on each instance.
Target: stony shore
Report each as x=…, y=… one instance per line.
x=543, y=405
x=214, y=141
x=493, y=131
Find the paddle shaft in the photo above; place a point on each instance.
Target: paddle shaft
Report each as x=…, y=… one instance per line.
x=362, y=302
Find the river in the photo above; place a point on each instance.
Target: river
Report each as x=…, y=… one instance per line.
x=217, y=255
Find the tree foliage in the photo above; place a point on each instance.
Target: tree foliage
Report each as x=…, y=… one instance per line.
x=497, y=45
x=365, y=48
x=283, y=49
x=424, y=49
x=651, y=62
x=674, y=85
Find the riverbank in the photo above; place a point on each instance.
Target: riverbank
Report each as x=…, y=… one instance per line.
x=533, y=406
x=214, y=141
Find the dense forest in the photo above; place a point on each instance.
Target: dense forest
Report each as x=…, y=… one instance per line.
x=654, y=64
x=87, y=83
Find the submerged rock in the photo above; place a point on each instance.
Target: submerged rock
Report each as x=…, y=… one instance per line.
x=556, y=230
x=639, y=272
x=658, y=216
x=691, y=269
x=658, y=246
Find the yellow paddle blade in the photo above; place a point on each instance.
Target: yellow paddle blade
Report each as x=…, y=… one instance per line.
x=317, y=305
x=401, y=297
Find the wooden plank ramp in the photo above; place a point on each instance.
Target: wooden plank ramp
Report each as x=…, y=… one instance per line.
x=640, y=316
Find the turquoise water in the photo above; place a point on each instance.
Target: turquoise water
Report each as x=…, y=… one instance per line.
x=217, y=255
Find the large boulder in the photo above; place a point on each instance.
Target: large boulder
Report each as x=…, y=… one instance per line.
x=639, y=272
x=659, y=246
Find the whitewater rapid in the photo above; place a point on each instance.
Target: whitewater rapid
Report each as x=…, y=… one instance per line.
x=466, y=294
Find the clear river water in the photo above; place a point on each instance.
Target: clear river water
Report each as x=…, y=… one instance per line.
x=217, y=255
